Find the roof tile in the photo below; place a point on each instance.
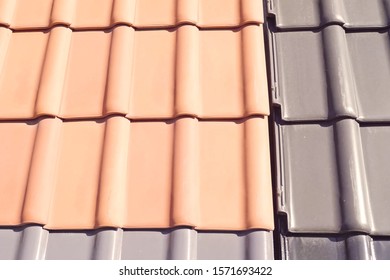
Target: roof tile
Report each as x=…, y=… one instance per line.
x=96, y=173
x=340, y=74
x=335, y=247
x=98, y=14
x=34, y=242
x=305, y=14
x=141, y=74
x=343, y=188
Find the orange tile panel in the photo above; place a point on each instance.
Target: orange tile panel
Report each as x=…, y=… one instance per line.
x=98, y=14
x=140, y=74
x=145, y=174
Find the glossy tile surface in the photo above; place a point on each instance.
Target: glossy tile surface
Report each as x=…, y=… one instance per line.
x=335, y=247
x=330, y=73
x=100, y=14
x=304, y=14
x=34, y=242
x=96, y=173
x=141, y=74
x=344, y=187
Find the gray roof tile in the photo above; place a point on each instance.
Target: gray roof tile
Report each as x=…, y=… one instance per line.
x=316, y=13
x=333, y=247
x=329, y=73
x=34, y=242
x=333, y=177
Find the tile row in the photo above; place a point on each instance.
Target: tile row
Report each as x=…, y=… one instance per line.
x=212, y=175
x=335, y=247
x=140, y=74
x=331, y=73
x=311, y=14
x=34, y=242
x=332, y=177
x=99, y=14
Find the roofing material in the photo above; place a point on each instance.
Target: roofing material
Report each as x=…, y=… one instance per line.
x=96, y=173
x=312, y=14
x=102, y=14
x=134, y=114
x=341, y=74
x=344, y=187
x=34, y=242
x=141, y=74
x=335, y=247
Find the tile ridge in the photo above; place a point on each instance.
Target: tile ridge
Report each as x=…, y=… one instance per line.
x=42, y=173
x=53, y=75
x=258, y=185
x=255, y=72
x=185, y=200
x=187, y=76
x=112, y=191
x=339, y=74
x=353, y=187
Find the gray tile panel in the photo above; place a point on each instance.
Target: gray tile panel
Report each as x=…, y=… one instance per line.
x=333, y=247
x=34, y=242
x=330, y=73
x=333, y=177
x=301, y=14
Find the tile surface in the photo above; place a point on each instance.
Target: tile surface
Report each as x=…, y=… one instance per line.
x=333, y=177
x=302, y=14
x=96, y=173
x=331, y=247
x=34, y=242
x=141, y=74
x=99, y=14
x=331, y=73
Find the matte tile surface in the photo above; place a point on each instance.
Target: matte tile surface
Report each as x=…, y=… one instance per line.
x=331, y=247
x=99, y=14
x=333, y=176
x=96, y=173
x=329, y=73
x=316, y=13
x=141, y=74
x=34, y=242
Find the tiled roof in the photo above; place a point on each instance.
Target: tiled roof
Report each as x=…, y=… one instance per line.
x=305, y=14
x=134, y=114
x=340, y=74
x=34, y=242
x=329, y=83
x=94, y=173
x=141, y=74
x=102, y=14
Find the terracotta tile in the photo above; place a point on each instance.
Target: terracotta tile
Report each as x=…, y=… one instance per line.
x=93, y=14
x=96, y=173
x=141, y=74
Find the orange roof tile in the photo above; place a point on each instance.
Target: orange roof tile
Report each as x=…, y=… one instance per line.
x=141, y=74
x=94, y=14
x=114, y=172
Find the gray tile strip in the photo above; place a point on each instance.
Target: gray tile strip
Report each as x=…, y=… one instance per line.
x=331, y=247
